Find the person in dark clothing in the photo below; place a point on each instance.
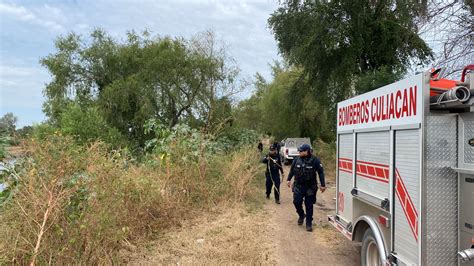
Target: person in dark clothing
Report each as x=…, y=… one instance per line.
x=277, y=145
x=260, y=146
x=272, y=173
x=305, y=186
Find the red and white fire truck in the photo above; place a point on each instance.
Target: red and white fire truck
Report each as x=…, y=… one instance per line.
x=405, y=171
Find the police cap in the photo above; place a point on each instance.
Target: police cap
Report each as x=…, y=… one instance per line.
x=304, y=147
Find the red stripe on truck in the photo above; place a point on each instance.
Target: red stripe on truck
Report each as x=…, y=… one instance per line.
x=380, y=172
x=407, y=204
x=345, y=165
x=363, y=169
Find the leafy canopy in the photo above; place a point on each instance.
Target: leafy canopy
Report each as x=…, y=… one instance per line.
x=129, y=82
x=342, y=48
x=338, y=41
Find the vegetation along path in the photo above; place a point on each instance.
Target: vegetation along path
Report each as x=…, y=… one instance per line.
x=266, y=235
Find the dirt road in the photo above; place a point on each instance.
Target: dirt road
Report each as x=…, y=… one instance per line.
x=295, y=246
x=235, y=234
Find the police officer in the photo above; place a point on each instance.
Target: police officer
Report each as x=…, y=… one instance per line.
x=272, y=173
x=305, y=186
x=277, y=145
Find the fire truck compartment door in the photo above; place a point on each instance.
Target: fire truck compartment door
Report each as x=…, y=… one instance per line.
x=407, y=196
x=466, y=203
x=372, y=168
x=345, y=180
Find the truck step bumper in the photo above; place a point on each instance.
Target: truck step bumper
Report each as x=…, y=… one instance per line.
x=332, y=220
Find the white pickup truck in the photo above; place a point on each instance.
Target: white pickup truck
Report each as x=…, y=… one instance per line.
x=289, y=148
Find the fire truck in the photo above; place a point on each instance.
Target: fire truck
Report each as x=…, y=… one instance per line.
x=405, y=171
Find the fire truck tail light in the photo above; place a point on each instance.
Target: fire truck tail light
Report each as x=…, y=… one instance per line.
x=385, y=221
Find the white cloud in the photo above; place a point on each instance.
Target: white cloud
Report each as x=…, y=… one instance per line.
x=36, y=17
x=21, y=86
x=28, y=33
x=7, y=72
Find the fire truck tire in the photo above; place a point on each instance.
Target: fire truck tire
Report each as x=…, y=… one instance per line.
x=370, y=252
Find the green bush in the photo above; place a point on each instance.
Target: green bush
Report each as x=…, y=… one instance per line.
x=193, y=144
x=235, y=138
x=86, y=124
x=43, y=130
x=3, y=145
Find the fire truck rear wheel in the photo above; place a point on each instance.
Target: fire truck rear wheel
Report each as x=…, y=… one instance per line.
x=370, y=251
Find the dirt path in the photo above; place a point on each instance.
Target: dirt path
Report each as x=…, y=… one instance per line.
x=235, y=234
x=295, y=246
x=227, y=236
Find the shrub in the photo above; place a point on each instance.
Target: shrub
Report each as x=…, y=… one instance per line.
x=43, y=130
x=182, y=139
x=86, y=124
x=4, y=141
x=78, y=204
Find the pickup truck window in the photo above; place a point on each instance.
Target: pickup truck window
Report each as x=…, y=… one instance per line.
x=296, y=142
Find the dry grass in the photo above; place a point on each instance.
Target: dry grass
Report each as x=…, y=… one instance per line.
x=230, y=235
x=326, y=152
x=82, y=205
x=15, y=151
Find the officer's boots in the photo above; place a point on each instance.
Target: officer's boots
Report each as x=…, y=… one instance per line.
x=309, y=227
x=300, y=220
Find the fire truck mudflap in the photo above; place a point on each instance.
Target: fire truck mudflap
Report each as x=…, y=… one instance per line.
x=405, y=173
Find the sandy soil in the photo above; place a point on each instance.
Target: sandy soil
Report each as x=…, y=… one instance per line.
x=296, y=246
x=243, y=235
x=236, y=235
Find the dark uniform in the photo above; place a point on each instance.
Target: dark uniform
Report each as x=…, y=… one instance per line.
x=272, y=174
x=305, y=186
x=277, y=146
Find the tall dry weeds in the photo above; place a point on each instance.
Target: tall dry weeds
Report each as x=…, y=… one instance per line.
x=83, y=205
x=326, y=152
x=239, y=173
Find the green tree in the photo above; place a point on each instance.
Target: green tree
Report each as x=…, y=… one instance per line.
x=130, y=82
x=348, y=47
x=8, y=124
x=248, y=113
x=340, y=39
x=284, y=108
x=25, y=131
x=278, y=117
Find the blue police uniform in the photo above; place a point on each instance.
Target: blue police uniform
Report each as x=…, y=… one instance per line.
x=272, y=175
x=305, y=187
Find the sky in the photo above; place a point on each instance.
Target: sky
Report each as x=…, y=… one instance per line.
x=28, y=30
